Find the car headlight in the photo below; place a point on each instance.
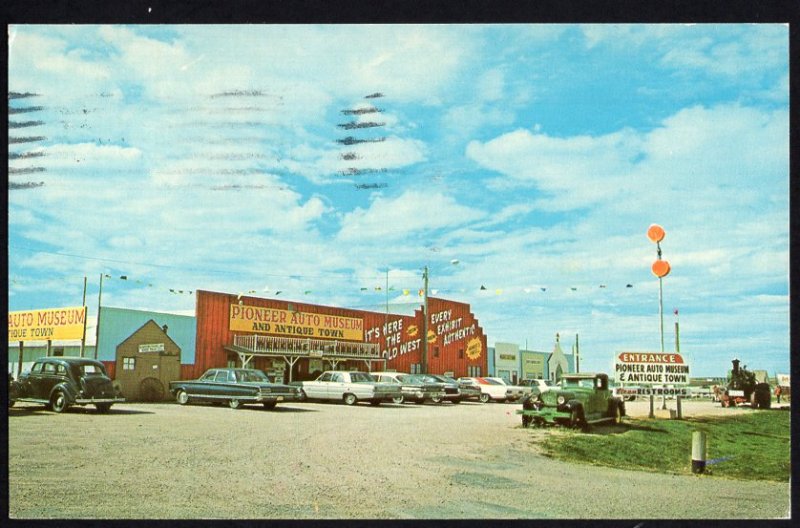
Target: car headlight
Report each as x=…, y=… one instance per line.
x=561, y=399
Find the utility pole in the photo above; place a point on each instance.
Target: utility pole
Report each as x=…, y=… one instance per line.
x=86, y=314
x=424, y=364
x=577, y=356
x=97, y=325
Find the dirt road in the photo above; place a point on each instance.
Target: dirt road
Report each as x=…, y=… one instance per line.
x=310, y=460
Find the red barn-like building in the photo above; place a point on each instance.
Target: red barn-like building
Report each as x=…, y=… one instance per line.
x=294, y=341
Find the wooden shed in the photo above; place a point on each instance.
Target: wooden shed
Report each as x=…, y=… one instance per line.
x=146, y=362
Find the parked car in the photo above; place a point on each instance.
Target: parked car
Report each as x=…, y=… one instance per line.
x=540, y=385
x=490, y=390
x=517, y=391
x=469, y=391
x=452, y=391
x=414, y=388
x=234, y=386
x=582, y=399
x=59, y=382
x=350, y=387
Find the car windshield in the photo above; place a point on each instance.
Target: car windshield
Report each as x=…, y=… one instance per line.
x=491, y=381
x=361, y=377
x=431, y=378
x=412, y=379
x=251, y=376
x=586, y=383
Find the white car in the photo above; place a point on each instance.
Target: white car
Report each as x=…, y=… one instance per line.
x=540, y=385
x=350, y=387
x=490, y=390
x=518, y=391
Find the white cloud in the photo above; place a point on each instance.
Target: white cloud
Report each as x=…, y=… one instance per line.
x=398, y=218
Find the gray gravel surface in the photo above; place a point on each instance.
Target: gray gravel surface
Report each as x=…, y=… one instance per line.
x=316, y=460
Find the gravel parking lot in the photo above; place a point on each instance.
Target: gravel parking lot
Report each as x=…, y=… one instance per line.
x=316, y=460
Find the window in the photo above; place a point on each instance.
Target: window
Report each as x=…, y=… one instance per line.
x=231, y=363
x=326, y=377
x=58, y=351
x=49, y=368
x=61, y=370
x=436, y=351
x=460, y=353
x=474, y=371
x=208, y=376
x=37, y=368
x=338, y=378
x=222, y=375
x=416, y=368
x=128, y=363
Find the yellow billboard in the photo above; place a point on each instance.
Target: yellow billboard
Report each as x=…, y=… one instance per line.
x=48, y=324
x=262, y=320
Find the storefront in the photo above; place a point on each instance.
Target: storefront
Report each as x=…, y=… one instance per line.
x=506, y=361
x=234, y=330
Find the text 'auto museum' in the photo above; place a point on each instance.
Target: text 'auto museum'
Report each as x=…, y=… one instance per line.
x=293, y=341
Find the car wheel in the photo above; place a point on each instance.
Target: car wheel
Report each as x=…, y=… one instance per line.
x=350, y=399
x=577, y=420
x=398, y=400
x=234, y=404
x=270, y=404
x=303, y=396
x=484, y=398
x=58, y=403
x=616, y=413
x=436, y=399
x=182, y=397
x=102, y=407
x=526, y=420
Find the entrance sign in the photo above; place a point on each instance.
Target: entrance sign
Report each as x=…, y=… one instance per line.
x=650, y=368
x=48, y=324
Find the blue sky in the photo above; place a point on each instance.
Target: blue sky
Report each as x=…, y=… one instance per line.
x=536, y=156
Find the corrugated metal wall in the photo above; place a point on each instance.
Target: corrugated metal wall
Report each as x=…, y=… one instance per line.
x=456, y=340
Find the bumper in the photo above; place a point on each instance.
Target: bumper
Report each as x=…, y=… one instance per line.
x=276, y=397
x=546, y=414
x=89, y=401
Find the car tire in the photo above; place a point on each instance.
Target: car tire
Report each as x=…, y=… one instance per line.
x=182, y=397
x=616, y=413
x=270, y=404
x=234, y=404
x=59, y=403
x=349, y=399
x=437, y=399
x=484, y=398
x=577, y=420
x=398, y=400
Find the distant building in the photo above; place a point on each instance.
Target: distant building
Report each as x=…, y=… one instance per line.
x=508, y=361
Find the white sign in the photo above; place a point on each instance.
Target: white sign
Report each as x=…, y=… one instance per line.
x=152, y=347
x=649, y=368
x=784, y=380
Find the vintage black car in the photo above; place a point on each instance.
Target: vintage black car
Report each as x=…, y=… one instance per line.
x=59, y=382
x=452, y=392
x=234, y=386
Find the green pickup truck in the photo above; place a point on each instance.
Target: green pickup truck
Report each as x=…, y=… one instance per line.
x=580, y=400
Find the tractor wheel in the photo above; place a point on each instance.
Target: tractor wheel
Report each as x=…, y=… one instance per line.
x=151, y=390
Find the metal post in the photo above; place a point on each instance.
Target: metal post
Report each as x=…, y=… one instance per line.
x=424, y=365
x=97, y=325
x=49, y=347
x=652, y=405
x=85, y=315
x=661, y=320
x=19, y=363
x=577, y=356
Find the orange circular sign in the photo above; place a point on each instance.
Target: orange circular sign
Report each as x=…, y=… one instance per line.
x=655, y=233
x=661, y=268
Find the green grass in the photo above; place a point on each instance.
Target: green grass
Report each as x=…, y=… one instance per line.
x=757, y=444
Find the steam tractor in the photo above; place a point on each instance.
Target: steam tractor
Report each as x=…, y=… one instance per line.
x=743, y=388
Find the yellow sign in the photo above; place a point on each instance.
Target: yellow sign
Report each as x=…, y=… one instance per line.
x=49, y=324
x=296, y=324
x=474, y=348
